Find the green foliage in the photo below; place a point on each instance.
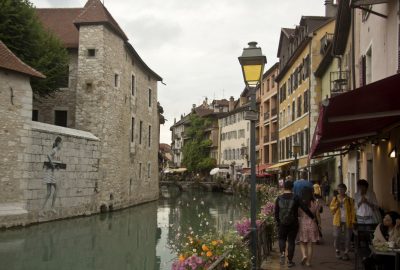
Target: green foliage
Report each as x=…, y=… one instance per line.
x=24, y=35
x=196, y=151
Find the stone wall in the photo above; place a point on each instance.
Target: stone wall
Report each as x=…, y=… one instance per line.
x=76, y=185
x=15, y=111
x=120, y=182
x=63, y=100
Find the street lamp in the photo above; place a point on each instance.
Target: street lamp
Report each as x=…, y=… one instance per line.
x=295, y=150
x=252, y=62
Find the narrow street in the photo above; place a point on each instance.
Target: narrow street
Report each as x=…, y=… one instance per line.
x=324, y=254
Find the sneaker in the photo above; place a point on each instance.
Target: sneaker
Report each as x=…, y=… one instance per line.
x=345, y=257
x=290, y=264
x=338, y=254
x=282, y=259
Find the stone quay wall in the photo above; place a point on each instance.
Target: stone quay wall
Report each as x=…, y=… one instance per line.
x=76, y=184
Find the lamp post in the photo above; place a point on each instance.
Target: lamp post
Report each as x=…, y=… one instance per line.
x=295, y=150
x=252, y=62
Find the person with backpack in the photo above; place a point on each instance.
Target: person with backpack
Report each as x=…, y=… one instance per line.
x=286, y=217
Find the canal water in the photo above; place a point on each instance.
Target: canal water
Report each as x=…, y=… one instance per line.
x=138, y=238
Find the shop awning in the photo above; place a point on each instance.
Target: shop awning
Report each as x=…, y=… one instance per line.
x=357, y=114
x=277, y=166
x=259, y=168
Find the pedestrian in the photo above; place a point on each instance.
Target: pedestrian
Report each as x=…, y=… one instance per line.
x=280, y=183
x=367, y=210
x=326, y=188
x=317, y=190
x=286, y=217
x=309, y=230
x=301, y=184
x=344, y=218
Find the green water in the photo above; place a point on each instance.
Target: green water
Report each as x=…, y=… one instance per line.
x=138, y=238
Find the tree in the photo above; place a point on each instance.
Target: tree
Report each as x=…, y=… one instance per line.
x=196, y=151
x=23, y=34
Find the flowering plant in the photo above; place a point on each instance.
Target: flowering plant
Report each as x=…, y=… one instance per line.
x=199, y=253
x=243, y=226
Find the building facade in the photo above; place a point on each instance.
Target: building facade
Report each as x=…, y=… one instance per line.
x=268, y=134
x=299, y=95
x=112, y=93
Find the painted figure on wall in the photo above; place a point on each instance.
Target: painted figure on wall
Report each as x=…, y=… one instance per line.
x=51, y=166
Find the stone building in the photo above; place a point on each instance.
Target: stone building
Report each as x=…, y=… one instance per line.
x=15, y=111
x=110, y=92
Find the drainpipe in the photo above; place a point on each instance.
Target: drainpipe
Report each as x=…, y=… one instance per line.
x=309, y=104
x=353, y=57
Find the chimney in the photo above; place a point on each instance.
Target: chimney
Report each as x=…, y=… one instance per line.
x=331, y=8
x=231, y=103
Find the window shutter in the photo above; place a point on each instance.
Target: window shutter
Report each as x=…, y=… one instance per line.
x=363, y=70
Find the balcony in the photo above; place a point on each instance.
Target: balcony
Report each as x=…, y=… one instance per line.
x=326, y=40
x=339, y=81
x=266, y=139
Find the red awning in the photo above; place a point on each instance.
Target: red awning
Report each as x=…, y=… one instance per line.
x=360, y=113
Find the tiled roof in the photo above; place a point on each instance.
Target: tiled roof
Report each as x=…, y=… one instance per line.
x=95, y=12
x=10, y=61
x=221, y=102
x=60, y=22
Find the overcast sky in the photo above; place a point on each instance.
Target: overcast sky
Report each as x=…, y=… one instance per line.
x=194, y=44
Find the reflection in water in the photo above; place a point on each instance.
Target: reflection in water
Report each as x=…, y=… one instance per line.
x=137, y=238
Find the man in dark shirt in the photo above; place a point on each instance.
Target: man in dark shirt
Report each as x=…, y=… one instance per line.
x=286, y=217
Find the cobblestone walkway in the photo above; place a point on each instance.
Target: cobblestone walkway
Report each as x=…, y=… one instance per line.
x=324, y=254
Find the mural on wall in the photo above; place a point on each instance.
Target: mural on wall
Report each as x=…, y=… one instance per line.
x=50, y=173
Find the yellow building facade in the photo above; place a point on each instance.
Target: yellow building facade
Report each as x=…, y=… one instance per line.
x=299, y=91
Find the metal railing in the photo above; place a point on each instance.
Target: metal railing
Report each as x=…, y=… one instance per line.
x=339, y=82
x=266, y=115
x=266, y=138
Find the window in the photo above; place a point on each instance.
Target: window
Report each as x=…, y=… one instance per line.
x=267, y=85
x=305, y=101
x=60, y=118
x=299, y=106
x=140, y=170
x=133, y=129
x=149, y=142
x=306, y=65
x=116, y=80
x=133, y=84
x=148, y=170
x=35, y=115
x=64, y=81
x=149, y=97
x=307, y=137
x=140, y=131
x=293, y=110
x=273, y=81
x=91, y=52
